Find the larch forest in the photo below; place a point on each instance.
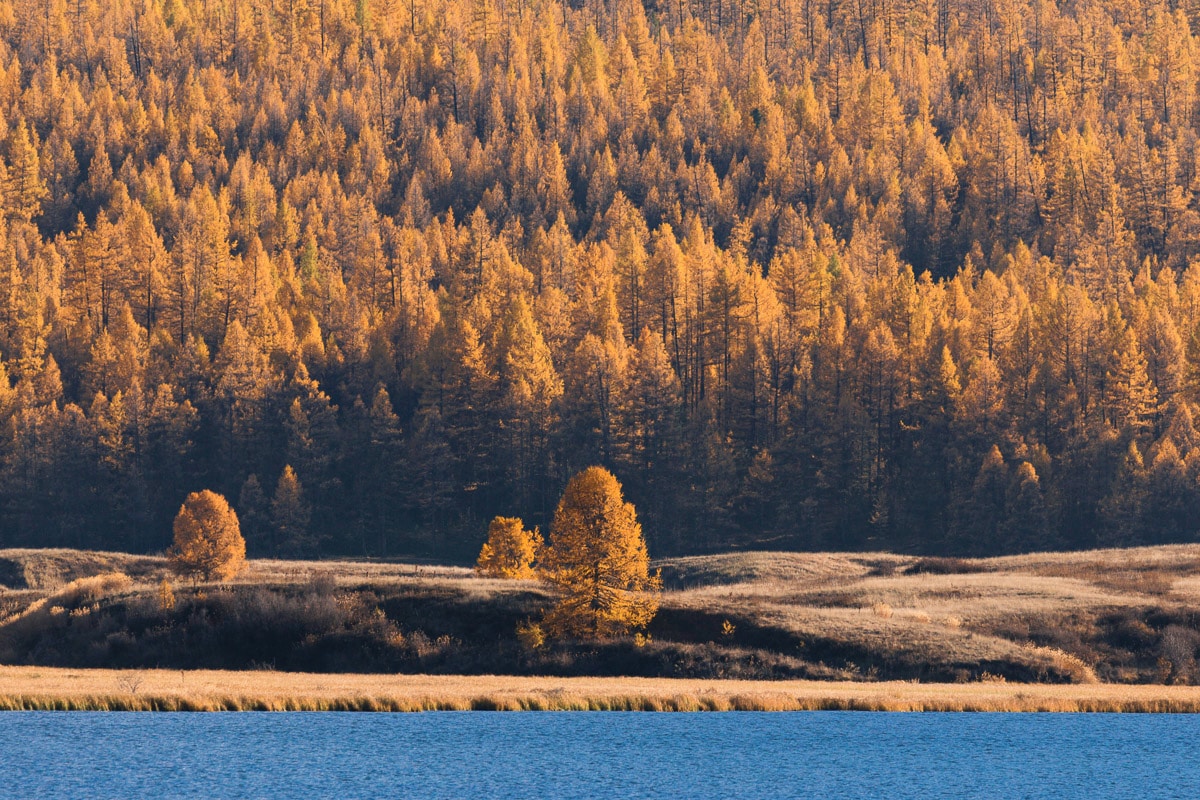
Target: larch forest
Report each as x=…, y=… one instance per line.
x=916, y=275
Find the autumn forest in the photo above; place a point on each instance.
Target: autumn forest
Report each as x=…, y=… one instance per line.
x=919, y=275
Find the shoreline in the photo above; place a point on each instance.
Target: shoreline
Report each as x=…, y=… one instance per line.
x=62, y=689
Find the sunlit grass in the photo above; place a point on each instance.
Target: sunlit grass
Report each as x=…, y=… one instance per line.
x=38, y=688
x=944, y=610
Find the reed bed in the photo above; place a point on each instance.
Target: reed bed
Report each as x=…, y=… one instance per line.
x=42, y=689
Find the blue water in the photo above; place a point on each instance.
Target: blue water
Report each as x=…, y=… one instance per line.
x=599, y=755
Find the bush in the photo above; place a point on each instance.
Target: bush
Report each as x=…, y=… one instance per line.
x=531, y=635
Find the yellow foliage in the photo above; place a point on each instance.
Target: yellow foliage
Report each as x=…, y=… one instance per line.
x=166, y=597
x=531, y=635
x=510, y=550
x=597, y=560
x=208, y=539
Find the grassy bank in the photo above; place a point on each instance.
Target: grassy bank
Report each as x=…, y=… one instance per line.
x=1113, y=616
x=35, y=688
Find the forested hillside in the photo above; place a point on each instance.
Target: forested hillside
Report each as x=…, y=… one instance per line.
x=911, y=275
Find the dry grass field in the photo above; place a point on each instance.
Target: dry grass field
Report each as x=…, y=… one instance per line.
x=1129, y=614
x=1091, y=619
x=39, y=688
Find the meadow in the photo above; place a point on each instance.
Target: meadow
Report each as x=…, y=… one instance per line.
x=1089, y=619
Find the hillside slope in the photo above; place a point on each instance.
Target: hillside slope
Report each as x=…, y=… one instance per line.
x=1110, y=615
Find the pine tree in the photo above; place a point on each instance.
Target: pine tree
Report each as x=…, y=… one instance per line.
x=1131, y=396
x=24, y=189
x=650, y=410
x=1123, y=510
x=530, y=388
x=383, y=468
x=1026, y=526
x=980, y=517
x=254, y=517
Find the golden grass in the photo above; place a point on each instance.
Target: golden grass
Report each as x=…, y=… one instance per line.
x=48, y=569
x=871, y=600
x=39, y=688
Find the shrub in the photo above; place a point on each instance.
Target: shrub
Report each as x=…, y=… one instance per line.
x=531, y=635
x=166, y=597
x=1179, y=646
x=91, y=589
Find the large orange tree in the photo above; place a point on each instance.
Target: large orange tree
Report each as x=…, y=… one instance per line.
x=598, y=562
x=208, y=540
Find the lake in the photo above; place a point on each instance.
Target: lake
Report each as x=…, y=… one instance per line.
x=598, y=754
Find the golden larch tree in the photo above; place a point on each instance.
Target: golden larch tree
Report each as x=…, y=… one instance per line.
x=597, y=560
x=510, y=550
x=208, y=540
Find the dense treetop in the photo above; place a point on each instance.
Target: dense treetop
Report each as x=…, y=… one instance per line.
x=917, y=275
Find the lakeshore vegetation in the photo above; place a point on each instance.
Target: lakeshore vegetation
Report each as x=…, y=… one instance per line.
x=904, y=275
x=43, y=689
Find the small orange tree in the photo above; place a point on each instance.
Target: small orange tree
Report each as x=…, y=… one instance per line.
x=208, y=540
x=510, y=550
x=597, y=560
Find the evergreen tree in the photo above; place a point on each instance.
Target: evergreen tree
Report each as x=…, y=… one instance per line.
x=290, y=516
